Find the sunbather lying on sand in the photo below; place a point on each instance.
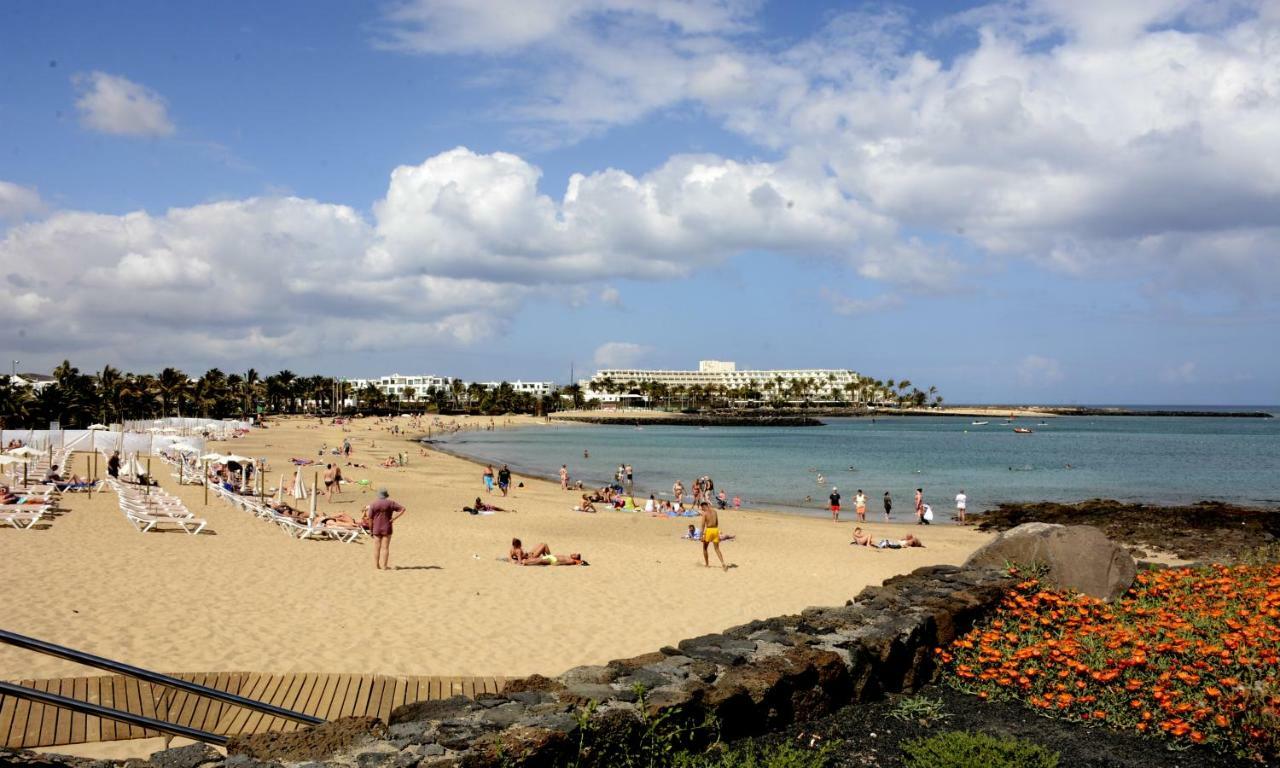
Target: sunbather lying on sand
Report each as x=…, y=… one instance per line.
x=340, y=520
x=518, y=555
x=389, y=463
x=482, y=506
x=550, y=559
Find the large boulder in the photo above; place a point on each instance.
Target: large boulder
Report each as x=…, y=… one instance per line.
x=1078, y=557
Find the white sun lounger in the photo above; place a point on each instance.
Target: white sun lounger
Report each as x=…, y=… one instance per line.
x=22, y=516
x=145, y=523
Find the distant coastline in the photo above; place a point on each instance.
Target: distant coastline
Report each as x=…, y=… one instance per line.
x=811, y=417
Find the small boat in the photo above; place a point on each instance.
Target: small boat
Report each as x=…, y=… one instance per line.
x=980, y=423
x=1021, y=430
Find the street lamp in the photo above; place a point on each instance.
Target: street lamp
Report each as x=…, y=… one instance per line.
x=15, y=369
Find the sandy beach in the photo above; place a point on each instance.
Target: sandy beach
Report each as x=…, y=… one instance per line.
x=246, y=597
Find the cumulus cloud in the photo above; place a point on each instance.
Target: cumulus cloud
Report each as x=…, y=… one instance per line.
x=116, y=105
x=1038, y=370
x=17, y=202
x=611, y=296
x=619, y=354
x=461, y=231
x=1097, y=139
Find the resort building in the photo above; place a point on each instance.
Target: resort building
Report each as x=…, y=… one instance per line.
x=37, y=381
x=535, y=388
x=793, y=384
x=396, y=384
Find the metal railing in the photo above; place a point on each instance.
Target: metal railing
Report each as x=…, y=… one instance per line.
x=128, y=670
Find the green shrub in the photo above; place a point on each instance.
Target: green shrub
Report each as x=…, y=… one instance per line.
x=961, y=749
x=785, y=755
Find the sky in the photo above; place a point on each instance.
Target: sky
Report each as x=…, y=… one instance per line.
x=1059, y=201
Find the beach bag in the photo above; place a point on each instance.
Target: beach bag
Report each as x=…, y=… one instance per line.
x=928, y=513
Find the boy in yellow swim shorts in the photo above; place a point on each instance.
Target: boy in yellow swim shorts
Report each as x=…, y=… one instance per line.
x=711, y=534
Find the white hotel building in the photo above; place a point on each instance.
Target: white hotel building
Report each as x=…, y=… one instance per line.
x=396, y=384
x=828, y=383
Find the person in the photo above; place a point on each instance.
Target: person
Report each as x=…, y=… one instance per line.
x=586, y=454
x=389, y=462
x=482, y=506
x=888, y=505
x=630, y=478
x=860, y=506
x=693, y=534
x=834, y=500
x=919, y=506
x=346, y=447
x=488, y=478
x=329, y=481
x=861, y=538
x=504, y=479
x=722, y=499
x=564, y=477
x=737, y=502
x=926, y=517
x=962, y=502
x=711, y=535
x=910, y=541
x=651, y=506
x=587, y=505
x=382, y=514
x=518, y=555
x=677, y=491
x=550, y=559
x=113, y=465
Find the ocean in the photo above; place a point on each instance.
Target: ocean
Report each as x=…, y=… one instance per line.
x=1165, y=460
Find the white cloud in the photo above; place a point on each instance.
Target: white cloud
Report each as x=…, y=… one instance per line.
x=845, y=305
x=1038, y=370
x=17, y=202
x=116, y=105
x=619, y=354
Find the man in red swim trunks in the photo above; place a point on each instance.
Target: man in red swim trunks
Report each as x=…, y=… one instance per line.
x=382, y=514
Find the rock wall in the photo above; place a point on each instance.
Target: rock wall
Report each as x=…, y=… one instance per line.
x=755, y=677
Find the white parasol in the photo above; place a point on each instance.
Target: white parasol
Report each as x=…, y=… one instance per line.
x=99, y=426
x=214, y=457
x=300, y=490
x=25, y=451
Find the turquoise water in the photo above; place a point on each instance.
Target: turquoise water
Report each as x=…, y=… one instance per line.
x=1149, y=459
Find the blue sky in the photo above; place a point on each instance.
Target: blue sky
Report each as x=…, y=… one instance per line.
x=1030, y=201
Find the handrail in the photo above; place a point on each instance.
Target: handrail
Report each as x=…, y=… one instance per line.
x=107, y=713
x=88, y=659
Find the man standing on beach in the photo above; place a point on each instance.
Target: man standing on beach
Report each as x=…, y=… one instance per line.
x=962, y=502
x=564, y=477
x=711, y=535
x=860, y=505
x=835, y=504
x=504, y=479
x=382, y=515
x=888, y=505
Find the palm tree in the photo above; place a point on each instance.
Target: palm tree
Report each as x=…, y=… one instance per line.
x=108, y=385
x=170, y=385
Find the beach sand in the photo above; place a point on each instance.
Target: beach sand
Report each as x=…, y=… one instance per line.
x=249, y=598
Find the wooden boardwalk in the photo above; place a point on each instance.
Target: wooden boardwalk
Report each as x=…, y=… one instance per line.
x=30, y=725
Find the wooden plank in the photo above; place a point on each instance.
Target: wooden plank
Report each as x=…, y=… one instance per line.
x=361, y=701
x=398, y=693
x=8, y=705
x=187, y=709
x=133, y=704
x=234, y=718
x=201, y=709
x=62, y=734
x=79, y=690
x=315, y=700
x=93, y=725
x=375, y=696
x=41, y=724
x=437, y=689
x=290, y=698
x=120, y=691
x=276, y=686
x=415, y=692
x=338, y=698
x=221, y=682
x=21, y=712
x=297, y=702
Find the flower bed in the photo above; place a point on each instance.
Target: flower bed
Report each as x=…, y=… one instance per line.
x=1193, y=654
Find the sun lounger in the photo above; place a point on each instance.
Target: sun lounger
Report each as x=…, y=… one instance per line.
x=22, y=516
x=145, y=522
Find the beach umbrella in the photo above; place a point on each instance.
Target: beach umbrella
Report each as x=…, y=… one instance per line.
x=299, y=485
x=237, y=458
x=25, y=451
x=99, y=426
x=280, y=489
x=11, y=460
x=183, y=448
x=131, y=466
x=314, y=496
x=214, y=457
